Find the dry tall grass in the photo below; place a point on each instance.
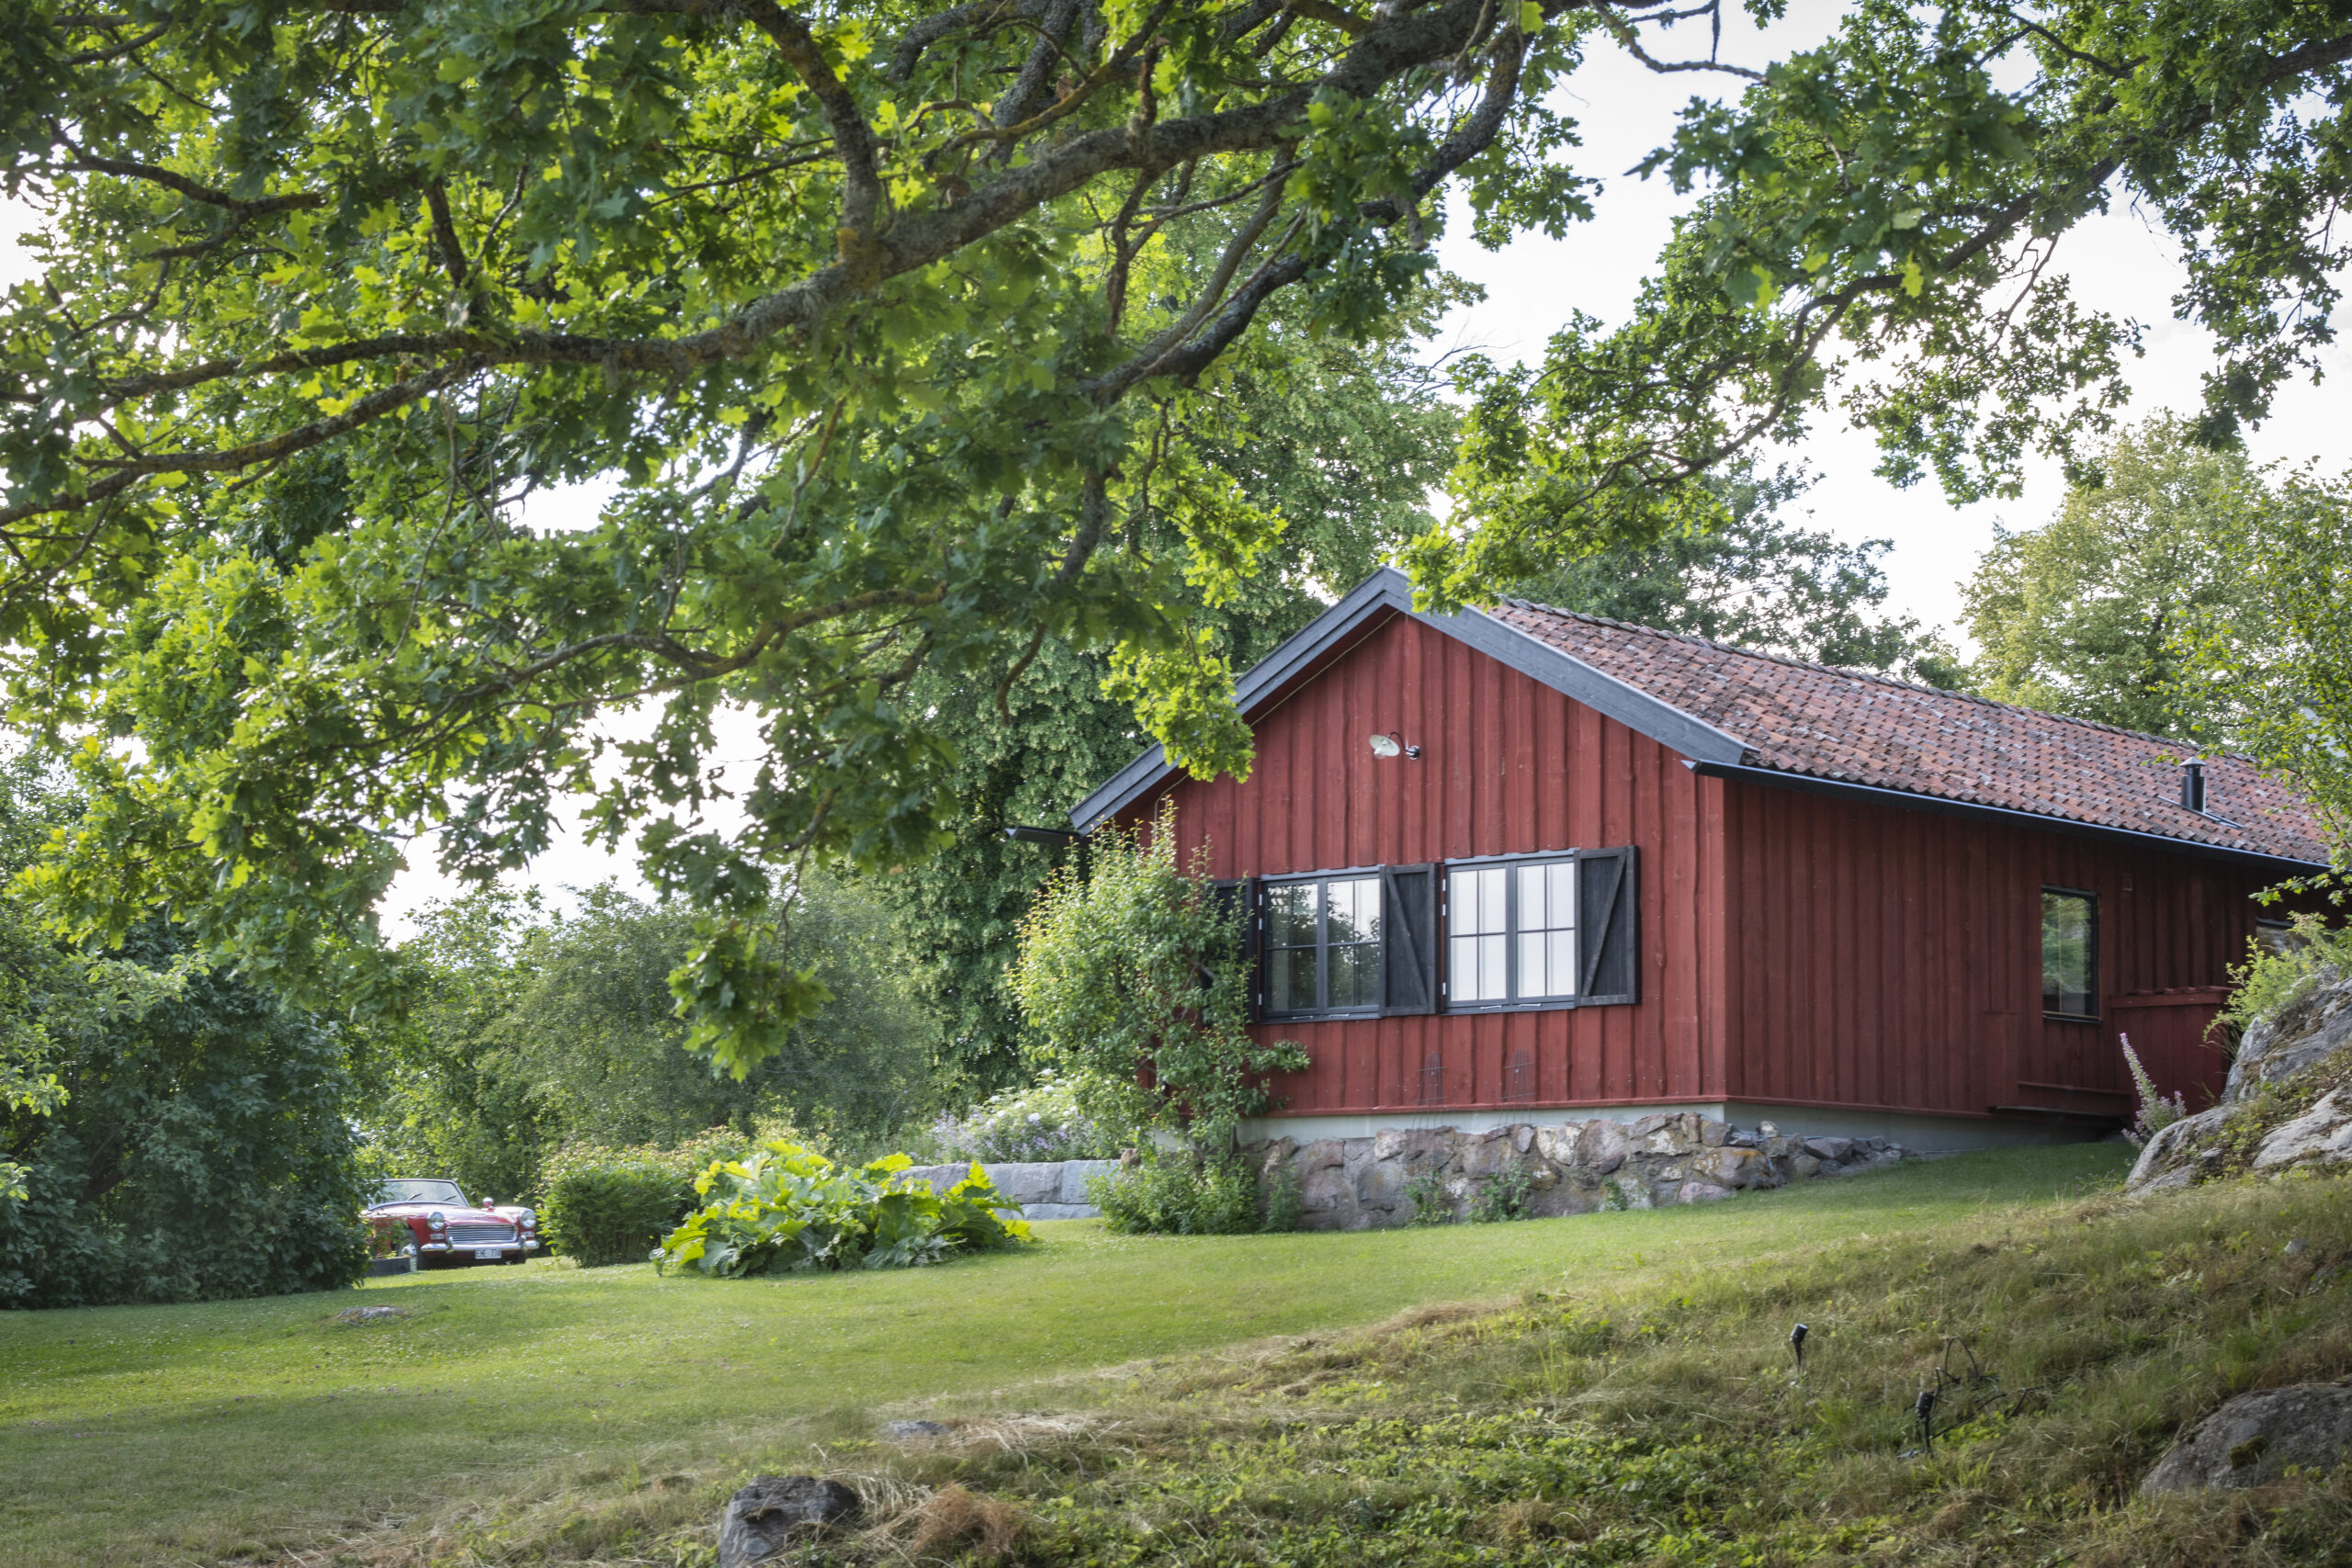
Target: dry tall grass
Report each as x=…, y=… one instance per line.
x=1645, y=1425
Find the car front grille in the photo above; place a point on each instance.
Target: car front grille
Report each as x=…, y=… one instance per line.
x=481, y=1235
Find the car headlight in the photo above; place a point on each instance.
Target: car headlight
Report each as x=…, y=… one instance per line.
x=438, y=1221
x=529, y=1219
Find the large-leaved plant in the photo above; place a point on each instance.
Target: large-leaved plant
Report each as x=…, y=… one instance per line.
x=787, y=1207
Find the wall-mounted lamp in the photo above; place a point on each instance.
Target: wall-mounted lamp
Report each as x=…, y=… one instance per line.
x=1390, y=745
x=1054, y=836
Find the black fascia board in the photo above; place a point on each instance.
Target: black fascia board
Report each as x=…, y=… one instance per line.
x=1389, y=591
x=1384, y=592
x=1630, y=705
x=1809, y=784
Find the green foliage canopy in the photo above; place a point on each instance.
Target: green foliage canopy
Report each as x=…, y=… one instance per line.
x=1345, y=442
x=1873, y=230
x=894, y=317
x=534, y=1031
x=2096, y=613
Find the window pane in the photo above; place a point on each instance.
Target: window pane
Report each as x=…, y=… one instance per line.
x=1561, y=878
x=1290, y=979
x=1461, y=970
x=1562, y=946
x=1475, y=970
x=1355, y=910
x=2068, y=974
x=1355, y=975
x=1530, y=899
x=1475, y=902
x=1531, y=965
x=1290, y=914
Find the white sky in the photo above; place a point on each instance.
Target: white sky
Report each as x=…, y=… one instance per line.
x=2125, y=265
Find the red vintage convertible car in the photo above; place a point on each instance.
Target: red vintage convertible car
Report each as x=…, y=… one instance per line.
x=432, y=1222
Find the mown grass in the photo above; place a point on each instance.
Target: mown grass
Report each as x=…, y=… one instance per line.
x=519, y=1413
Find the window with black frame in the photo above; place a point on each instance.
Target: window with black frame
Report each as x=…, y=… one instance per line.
x=2069, y=954
x=1323, y=945
x=1547, y=931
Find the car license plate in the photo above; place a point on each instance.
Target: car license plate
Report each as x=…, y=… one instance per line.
x=488, y=1252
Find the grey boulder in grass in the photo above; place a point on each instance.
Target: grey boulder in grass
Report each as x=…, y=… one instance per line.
x=2251, y=1440
x=773, y=1512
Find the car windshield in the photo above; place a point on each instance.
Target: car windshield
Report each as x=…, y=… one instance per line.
x=421, y=1193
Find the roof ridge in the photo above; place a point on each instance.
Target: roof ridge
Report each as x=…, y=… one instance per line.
x=1856, y=674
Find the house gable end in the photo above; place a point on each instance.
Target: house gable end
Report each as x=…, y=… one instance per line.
x=1389, y=592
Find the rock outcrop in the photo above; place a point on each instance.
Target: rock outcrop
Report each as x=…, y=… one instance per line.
x=2254, y=1437
x=773, y=1512
x=2288, y=1103
x=1573, y=1168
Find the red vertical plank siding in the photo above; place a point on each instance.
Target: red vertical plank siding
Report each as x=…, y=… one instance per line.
x=1794, y=948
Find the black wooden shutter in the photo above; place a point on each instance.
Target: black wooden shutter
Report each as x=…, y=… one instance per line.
x=1407, y=939
x=1237, y=899
x=1607, y=929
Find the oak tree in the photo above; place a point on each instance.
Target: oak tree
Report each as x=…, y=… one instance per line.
x=894, y=317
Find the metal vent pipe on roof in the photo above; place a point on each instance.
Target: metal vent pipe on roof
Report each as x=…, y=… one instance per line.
x=2192, y=784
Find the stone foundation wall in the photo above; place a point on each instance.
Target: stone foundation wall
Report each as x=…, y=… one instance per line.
x=1045, y=1189
x=1573, y=1168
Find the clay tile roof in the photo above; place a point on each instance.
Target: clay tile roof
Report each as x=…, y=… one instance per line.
x=1872, y=729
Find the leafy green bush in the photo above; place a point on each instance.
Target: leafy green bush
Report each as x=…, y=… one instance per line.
x=601, y=1214
x=202, y=1149
x=1174, y=1194
x=601, y=1205
x=1432, y=1204
x=788, y=1207
x=1135, y=976
x=2269, y=981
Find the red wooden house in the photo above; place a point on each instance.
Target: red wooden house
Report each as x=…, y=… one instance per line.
x=1523, y=861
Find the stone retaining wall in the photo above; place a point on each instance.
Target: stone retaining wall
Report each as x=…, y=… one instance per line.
x=1045, y=1189
x=1573, y=1168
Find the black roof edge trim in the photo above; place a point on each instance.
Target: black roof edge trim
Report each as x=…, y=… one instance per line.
x=1386, y=589
x=1564, y=672
x=1391, y=590
x=1807, y=783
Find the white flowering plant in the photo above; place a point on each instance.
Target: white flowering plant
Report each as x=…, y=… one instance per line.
x=1042, y=1122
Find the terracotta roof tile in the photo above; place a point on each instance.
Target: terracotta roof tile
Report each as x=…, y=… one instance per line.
x=1871, y=730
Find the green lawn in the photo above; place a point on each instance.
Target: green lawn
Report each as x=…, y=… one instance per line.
x=191, y=1433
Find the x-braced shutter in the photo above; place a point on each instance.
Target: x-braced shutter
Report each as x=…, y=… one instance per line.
x=1608, y=921
x=1407, y=939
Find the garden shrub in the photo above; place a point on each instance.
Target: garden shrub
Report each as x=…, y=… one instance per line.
x=1432, y=1204
x=1044, y=1122
x=788, y=1207
x=600, y=1215
x=1135, y=976
x=601, y=1205
x=202, y=1151
x=2269, y=981
x=1503, y=1196
x=1172, y=1193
